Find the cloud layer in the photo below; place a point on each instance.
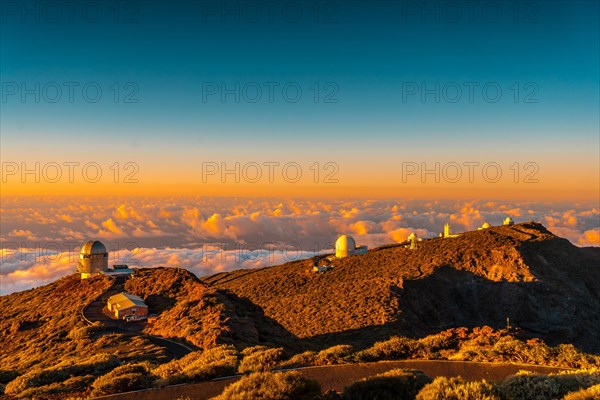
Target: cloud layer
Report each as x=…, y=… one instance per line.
x=41, y=237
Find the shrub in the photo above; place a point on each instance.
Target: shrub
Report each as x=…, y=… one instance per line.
x=591, y=393
x=395, y=348
x=85, y=331
x=397, y=384
x=300, y=360
x=35, y=379
x=530, y=386
x=526, y=385
x=57, y=378
x=200, y=365
x=260, y=358
x=443, y=388
x=334, y=355
x=123, y=379
x=271, y=386
x=76, y=383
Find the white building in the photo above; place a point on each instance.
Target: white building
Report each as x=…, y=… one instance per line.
x=346, y=246
x=508, y=221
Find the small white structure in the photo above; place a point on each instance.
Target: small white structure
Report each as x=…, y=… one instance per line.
x=484, y=226
x=413, y=239
x=346, y=246
x=508, y=221
x=446, y=233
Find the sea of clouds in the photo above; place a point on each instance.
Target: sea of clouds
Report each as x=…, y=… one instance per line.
x=41, y=237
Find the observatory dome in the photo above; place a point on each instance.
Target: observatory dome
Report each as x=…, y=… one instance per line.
x=93, y=247
x=508, y=221
x=344, y=246
x=485, y=225
x=93, y=259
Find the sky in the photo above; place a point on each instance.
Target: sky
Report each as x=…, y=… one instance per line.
x=211, y=104
x=370, y=87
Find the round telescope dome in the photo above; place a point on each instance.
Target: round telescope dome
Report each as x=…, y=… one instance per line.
x=344, y=246
x=93, y=247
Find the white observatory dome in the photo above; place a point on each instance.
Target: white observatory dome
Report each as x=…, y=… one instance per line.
x=344, y=246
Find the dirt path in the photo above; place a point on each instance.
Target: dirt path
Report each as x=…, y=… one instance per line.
x=337, y=377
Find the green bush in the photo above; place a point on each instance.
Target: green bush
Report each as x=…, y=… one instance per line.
x=591, y=393
x=260, y=358
x=271, y=386
x=443, y=388
x=397, y=384
x=200, y=365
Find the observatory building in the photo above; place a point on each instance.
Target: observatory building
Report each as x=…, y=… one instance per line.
x=93, y=259
x=508, y=221
x=447, y=234
x=346, y=246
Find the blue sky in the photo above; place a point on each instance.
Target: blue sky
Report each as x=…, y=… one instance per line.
x=363, y=53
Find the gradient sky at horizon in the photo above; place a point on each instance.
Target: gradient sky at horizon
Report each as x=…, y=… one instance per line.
x=370, y=53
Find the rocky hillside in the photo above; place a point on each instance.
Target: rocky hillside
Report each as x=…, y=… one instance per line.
x=42, y=326
x=204, y=316
x=544, y=284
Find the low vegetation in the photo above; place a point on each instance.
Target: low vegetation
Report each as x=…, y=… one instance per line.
x=480, y=344
x=259, y=359
x=397, y=384
x=123, y=379
x=70, y=375
x=530, y=386
x=199, y=366
x=591, y=393
x=271, y=386
x=443, y=388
